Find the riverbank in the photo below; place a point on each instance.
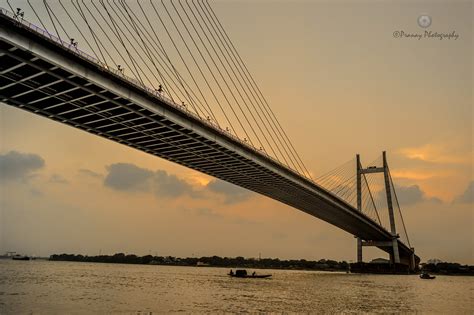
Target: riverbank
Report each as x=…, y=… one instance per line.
x=213, y=261
x=441, y=268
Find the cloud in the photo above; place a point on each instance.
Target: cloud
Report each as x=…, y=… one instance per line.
x=232, y=193
x=128, y=177
x=17, y=166
x=168, y=185
x=409, y=195
x=206, y=212
x=90, y=173
x=420, y=174
x=448, y=152
x=467, y=196
x=58, y=179
x=131, y=178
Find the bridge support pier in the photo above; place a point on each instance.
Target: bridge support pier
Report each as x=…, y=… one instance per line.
x=359, y=250
x=413, y=265
x=359, y=204
x=394, y=252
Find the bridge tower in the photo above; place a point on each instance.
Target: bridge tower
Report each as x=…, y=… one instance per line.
x=395, y=255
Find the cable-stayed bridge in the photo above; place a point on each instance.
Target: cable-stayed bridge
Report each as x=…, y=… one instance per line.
x=166, y=79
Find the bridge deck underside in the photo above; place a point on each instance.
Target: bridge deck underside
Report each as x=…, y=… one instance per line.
x=35, y=84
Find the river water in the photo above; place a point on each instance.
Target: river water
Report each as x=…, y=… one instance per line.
x=70, y=287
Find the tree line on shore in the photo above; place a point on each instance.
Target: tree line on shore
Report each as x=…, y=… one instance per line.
x=241, y=262
x=448, y=268
x=215, y=261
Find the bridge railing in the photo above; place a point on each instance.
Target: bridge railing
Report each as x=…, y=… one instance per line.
x=73, y=48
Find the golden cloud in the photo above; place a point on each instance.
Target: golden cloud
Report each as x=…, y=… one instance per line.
x=449, y=153
x=420, y=174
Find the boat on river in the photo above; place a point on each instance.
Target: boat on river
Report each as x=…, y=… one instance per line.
x=20, y=257
x=242, y=273
x=425, y=275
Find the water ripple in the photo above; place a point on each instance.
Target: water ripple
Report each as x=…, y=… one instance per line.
x=69, y=287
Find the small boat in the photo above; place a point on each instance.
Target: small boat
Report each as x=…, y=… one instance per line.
x=242, y=273
x=20, y=257
x=425, y=275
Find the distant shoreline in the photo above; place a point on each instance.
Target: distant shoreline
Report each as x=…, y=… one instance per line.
x=213, y=261
x=251, y=263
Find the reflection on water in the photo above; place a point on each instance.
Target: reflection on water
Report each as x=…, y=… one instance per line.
x=32, y=286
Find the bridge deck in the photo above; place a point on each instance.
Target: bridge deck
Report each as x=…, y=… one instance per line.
x=43, y=77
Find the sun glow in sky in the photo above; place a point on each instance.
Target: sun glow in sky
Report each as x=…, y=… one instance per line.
x=340, y=83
